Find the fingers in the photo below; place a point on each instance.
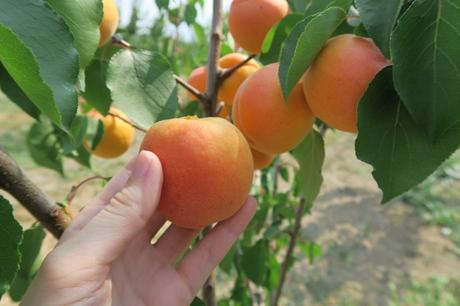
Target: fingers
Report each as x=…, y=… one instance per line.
x=173, y=243
x=97, y=204
x=197, y=266
x=126, y=215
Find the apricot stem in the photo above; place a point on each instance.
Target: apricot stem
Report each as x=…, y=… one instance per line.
x=199, y=95
x=137, y=127
x=228, y=72
x=74, y=189
x=121, y=43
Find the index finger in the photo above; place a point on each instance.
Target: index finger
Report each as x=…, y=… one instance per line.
x=202, y=260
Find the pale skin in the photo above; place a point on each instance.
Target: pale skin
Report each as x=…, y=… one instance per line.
x=105, y=257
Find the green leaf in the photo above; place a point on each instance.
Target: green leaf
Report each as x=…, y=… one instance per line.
x=275, y=38
x=72, y=141
x=304, y=43
x=317, y=6
x=81, y=156
x=190, y=13
x=310, y=156
x=44, y=146
x=390, y=140
x=197, y=302
x=379, y=19
x=425, y=47
x=96, y=92
x=83, y=18
x=255, y=262
x=48, y=69
x=162, y=4
x=227, y=263
x=142, y=85
x=95, y=132
x=311, y=250
x=16, y=95
x=11, y=235
x=30, y=261
x=274, y=271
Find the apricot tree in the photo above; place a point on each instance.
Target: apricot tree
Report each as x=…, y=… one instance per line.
x=387, y=71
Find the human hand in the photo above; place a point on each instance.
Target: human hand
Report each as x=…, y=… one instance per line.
x=105, y=256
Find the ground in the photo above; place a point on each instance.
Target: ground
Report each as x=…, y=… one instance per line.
x=404, y=253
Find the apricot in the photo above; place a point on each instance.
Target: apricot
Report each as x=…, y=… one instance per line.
x=230, y=86
x=339, y=77
x=118, y=135
x=199, y=77
x=271, y=125
x=249, y=21
x=261, y=160
x=207, y=169
x=109, y=22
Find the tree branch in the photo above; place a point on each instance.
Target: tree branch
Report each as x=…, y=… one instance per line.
x=137, y=127
x=199, y=95
x=213, y=58
x=289, y=252
x=74, y=189
x=15, y=182
x=228, y=72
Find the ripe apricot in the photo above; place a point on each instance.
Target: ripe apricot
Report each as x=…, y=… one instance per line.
x=118, y=135
x=249, y=21
x=230, y=86
x=109, y=23
x=339, y=77
x=261, y=160
x=199, y=77
x=271, y=125
x=207, y=168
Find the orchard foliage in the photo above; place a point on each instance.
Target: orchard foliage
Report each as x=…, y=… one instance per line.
x=408, y=118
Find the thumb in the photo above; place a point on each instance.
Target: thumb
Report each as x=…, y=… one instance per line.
x=107, y=235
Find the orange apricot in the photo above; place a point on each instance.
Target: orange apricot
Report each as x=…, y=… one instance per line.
x=271, y=125
x=199, y=77
x=339, y=77
x=207, y=169
x=249, y=21
x=230, y=86
x=261, y=160
x=109, y=22
x=117, y=138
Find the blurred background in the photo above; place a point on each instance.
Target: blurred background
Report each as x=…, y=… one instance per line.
x=404, y=253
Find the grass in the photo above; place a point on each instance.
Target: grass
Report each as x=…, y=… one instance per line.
x=436, y=199
x=433, y=292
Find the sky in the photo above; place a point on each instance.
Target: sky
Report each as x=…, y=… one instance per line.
x=149, y=11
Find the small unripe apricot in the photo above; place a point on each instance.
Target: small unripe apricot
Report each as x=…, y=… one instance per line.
x=109, y=23
x=207, y=169
x=249, y=21
x=261, y=160
x=118, y=135
x=227, y=91
x=270, y=124
x=338, y=78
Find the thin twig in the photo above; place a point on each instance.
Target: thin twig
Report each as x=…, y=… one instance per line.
x=228, y=72
x=213, y=58
x=289, y=252
x=137, y=127
x=74, y=189
x=199, y=95
x=120, y=42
